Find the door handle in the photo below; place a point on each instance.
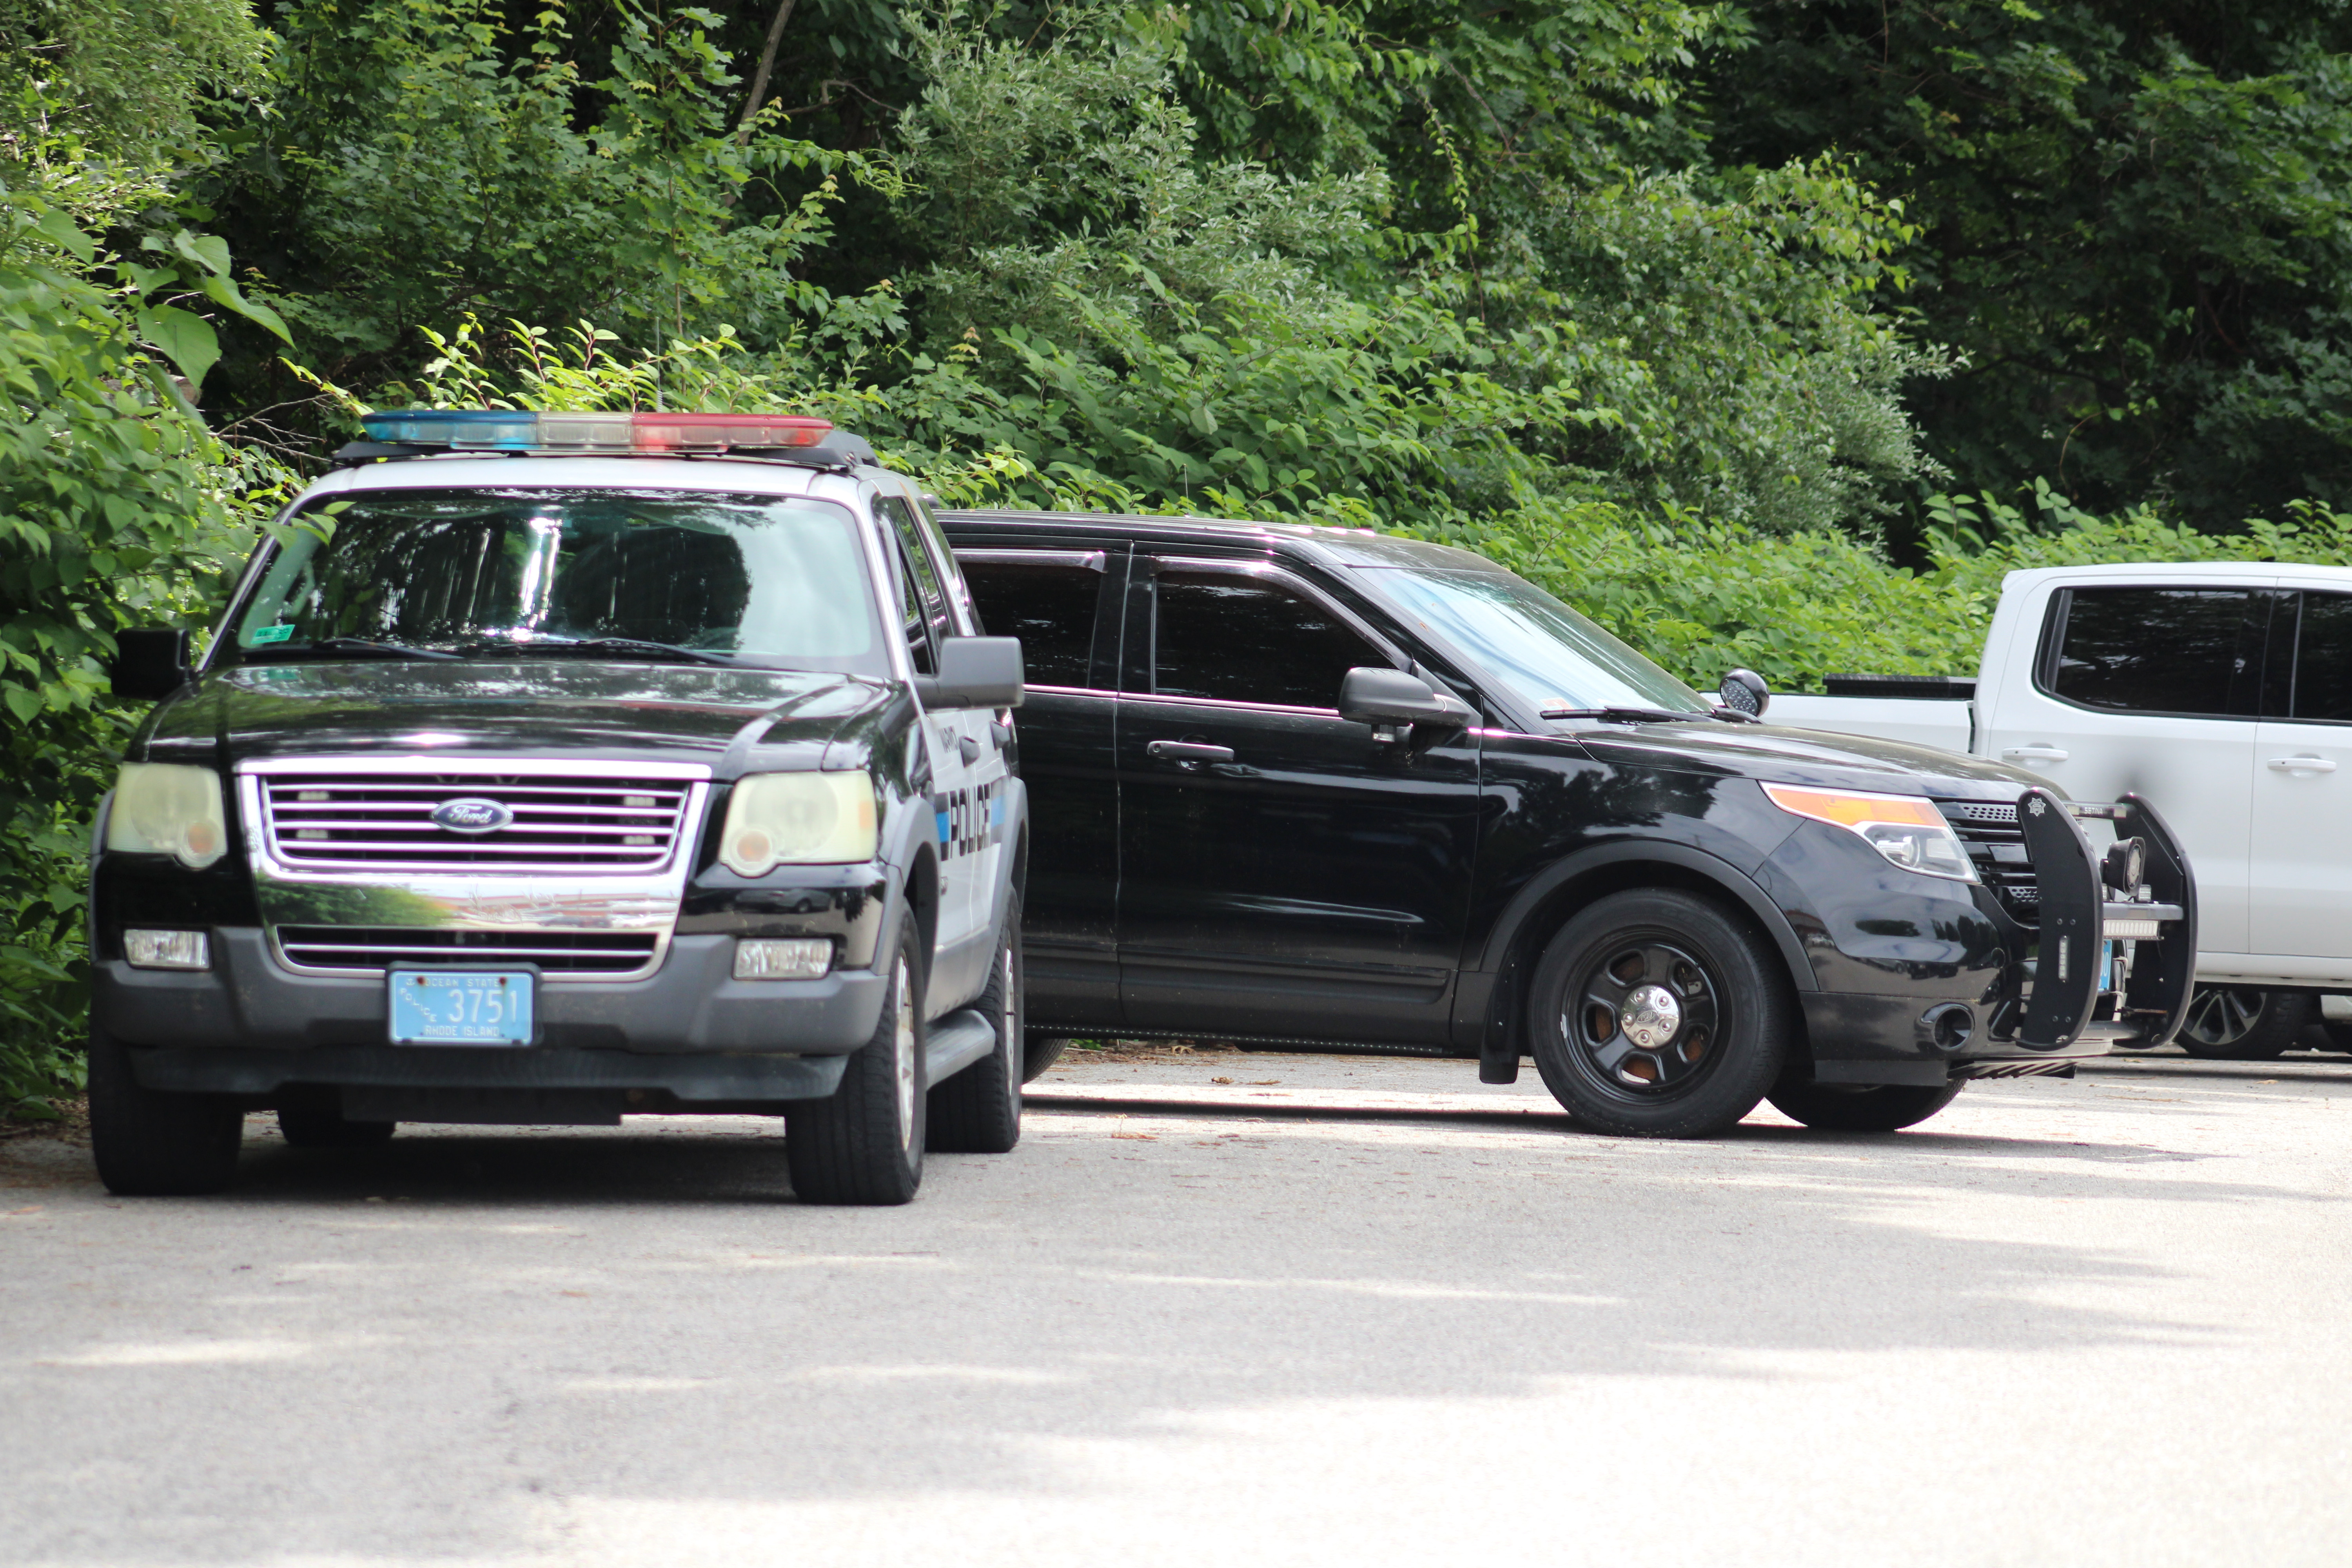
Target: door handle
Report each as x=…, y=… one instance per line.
x=1189, y=751
x=2033, y=754
x=2304, y=764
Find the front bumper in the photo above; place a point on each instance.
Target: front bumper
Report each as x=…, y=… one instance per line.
x=691, y=1005
x=2046, y=1007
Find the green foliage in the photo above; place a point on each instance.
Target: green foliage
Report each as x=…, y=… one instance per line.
x=1702, y=598
x=116, y=507
x=2131, y=224
x=434, y=160
x=141, y=70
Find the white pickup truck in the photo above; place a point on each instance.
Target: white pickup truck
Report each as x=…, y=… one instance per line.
x=2221, y=693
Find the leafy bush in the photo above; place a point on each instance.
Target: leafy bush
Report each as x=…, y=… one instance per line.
x=1701, y=597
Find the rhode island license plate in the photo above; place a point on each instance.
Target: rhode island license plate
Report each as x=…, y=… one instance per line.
x=461, y=1006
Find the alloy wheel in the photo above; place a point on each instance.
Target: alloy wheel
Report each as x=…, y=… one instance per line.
x=2220, y=1016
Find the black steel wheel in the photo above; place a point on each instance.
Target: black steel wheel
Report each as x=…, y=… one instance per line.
x=978, y=1112
x=2238, y=1023
x=150, y=1143
x=1661, y=1014
x=865, y=1143
x=1861, y=1108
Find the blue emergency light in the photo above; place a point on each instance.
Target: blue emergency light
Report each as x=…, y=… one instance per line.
x=500, y=430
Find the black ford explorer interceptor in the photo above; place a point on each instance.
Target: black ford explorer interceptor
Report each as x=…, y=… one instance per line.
x=1319, y=787
x=546, y=768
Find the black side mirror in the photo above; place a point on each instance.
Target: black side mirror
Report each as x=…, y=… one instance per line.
x=1744, y=691
x=1371, y=695
x=974, y=672
x=149, y=663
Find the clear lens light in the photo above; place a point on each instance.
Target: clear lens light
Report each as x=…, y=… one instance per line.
x=168, y=808
x=798, y=819
x=1909, y=831
x=783, y=958
x=167, y=949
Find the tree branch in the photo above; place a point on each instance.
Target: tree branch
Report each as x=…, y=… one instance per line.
x=759, y=77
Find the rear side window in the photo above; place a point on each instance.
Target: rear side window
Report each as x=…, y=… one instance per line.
x=1050, y=608
x=2323, y=665
x=2194, y=651
x=1235, y=639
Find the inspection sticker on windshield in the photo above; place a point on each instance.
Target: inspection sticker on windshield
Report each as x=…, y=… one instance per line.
x=461, y=1006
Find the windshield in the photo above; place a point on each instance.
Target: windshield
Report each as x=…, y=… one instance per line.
x=1547, y=653
x=723, y=579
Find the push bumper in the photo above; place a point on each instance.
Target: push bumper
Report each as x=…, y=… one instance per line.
x=692, y=1005
x=2042, y=1018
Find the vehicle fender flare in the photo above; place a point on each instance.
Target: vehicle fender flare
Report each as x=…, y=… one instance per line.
x=1588, y=864
x=1489, y=1019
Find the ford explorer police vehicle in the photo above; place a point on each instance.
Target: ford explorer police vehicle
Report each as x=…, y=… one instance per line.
x=548, y=768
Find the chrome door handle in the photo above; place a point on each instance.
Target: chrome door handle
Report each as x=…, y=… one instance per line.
x=2033, y=754
x=1187, y=751
x=2304, y=764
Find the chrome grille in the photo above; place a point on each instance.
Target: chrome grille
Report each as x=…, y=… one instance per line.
x=1988, y=830
x=555, y=953
x=334, y=821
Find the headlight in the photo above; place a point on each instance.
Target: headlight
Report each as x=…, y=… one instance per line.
x=1908, y=830
x=168, y=808
x=798, y=819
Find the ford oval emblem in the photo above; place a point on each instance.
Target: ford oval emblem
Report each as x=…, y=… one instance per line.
x=471, y=814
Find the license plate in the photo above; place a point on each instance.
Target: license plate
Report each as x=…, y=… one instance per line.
x=461, y=1006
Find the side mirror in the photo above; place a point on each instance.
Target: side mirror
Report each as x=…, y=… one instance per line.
x=974, y=672
x=149, y=663
x=1371, y=695
x=1744, y=691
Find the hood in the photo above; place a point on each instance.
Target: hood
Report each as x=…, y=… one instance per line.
x=518, y=708
x=1786, y=755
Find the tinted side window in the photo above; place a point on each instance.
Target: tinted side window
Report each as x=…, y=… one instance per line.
x=1050, y=608
x=1233, y=639
x=927, y=578
x=958, y=588
x=2323, y=665
x=2162, y=650
x=915, y=618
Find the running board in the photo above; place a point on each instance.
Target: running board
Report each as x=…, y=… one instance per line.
x=955, y=1041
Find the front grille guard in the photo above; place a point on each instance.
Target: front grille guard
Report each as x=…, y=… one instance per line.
x=2154, y=925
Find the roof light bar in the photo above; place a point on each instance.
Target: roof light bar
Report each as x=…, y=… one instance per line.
x=497, y=430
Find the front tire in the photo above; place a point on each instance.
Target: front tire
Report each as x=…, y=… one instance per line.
x=1657, y=1014
x=2236, y=1023
x=1878, y=1107
x=150, y=1143
x=1040, y=1052
x=978, y=1112
x=864, y=1144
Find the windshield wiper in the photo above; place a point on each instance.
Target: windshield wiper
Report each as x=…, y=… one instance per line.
x=621, y=647
x=359, y=644
x=1629, y=715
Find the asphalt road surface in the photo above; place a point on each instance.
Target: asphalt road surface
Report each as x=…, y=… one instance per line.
x=1336, y=1311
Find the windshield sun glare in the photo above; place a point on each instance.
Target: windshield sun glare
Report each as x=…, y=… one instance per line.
x=763, y=581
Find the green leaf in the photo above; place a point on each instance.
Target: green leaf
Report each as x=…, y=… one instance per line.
x=57, y=227
x=21, y=702
x=187, y=338
x=208, y=251
x=222, y=290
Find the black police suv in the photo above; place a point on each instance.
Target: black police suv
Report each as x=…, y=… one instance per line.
x=1319, y=787
x=545, y=770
